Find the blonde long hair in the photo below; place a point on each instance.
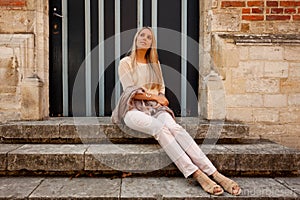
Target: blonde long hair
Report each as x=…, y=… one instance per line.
x=155, y=78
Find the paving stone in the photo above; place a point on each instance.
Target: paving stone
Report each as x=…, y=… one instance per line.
x=47, y=157
x=263, y=188
x=17, y=188
x=78, y=188
x=292, y=182
x=161, y=188
x=141, y=188
x=4, y=150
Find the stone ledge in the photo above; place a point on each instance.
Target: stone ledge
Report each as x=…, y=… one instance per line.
x=102, y=130
x=256, y=159
x=271, y=39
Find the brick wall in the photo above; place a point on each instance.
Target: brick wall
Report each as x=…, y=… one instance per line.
x=251, y=16
x=12, y=3
x=266, y=10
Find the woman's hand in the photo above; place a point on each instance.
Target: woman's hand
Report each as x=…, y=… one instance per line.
x=161, y=99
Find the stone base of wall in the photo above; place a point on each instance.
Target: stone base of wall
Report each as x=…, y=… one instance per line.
x=285, y=134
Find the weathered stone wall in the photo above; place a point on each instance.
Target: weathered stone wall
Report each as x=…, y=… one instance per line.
x=254, y=47
x=23, y=59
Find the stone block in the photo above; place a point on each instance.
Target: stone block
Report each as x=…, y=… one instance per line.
x=239, y=114
x=294, y=99
x=244, y=100
x=263, y=85
x=4, y=150
x=42, y=131
x=249, y=69
x=275, y=100
x=290, y=115
x=264, y=188
x=23, y=21
x=269, y=131
x=290, y=86
x=38, y=157
x=31, y=4
x=244, y=53
x=18, y=188
x=222, y=157
x=79, y=188
x=99, y=130
x=31, y=92
x=276, y=69
x=6, y=115
x=162, y=188
x=225, y=21
x=265, y=53
x=6, y=54
x=215, y=97
x=9, y=72
x=231, y=57
x=292, y=53
x=133, y=158
x=238, y=86
x=293, y=183
x=266, y=115
x=8, y=89
x=292, y=138
x=286, y=28
x=265, y=158
x=9, y=102
x=294, y=70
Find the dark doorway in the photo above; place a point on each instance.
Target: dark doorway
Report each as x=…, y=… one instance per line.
x=168, y=17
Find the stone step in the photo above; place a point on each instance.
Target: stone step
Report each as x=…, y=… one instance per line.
x=142, y=159
x=101, y=130
x=141, y=188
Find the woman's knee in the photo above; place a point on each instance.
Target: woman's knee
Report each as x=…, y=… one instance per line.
x=164, y=132
x=136, y=118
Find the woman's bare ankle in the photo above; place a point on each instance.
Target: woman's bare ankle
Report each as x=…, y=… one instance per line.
x=197, y=173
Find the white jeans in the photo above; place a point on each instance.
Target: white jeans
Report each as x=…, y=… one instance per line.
x=176, y=142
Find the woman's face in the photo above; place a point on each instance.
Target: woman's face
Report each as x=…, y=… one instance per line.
x=144, y=39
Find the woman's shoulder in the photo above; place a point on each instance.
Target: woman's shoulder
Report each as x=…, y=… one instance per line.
x=126, y=59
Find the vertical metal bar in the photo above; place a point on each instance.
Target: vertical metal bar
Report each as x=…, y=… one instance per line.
x=101, y=57
x=65, y=84
x=154, y=17
x=140, y=13
x=117, y=48
x=88, y=73
x=183, y=56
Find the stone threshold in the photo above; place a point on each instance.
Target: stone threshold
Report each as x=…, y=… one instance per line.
x=268, y=159
x=141, y=188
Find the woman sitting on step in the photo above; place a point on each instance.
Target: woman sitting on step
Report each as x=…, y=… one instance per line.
x=144, y=107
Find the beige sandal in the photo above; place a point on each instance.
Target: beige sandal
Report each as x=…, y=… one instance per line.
x=229, y=185
x=207, y=184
